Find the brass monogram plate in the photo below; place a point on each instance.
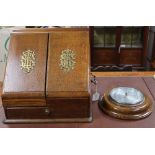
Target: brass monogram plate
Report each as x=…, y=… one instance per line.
x=28, y=61
x=67, y=60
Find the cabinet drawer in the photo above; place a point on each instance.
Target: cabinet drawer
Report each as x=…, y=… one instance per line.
x=28, y=112
x=52, y=112
x=69, y=107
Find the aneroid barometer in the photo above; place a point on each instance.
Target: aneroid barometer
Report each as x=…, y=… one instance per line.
x=126, y=103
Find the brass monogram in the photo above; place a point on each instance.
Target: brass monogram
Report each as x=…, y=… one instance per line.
x=67, y=60
x=27, y=61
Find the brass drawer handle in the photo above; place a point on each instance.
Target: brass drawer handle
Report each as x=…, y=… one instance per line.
x=47, y=111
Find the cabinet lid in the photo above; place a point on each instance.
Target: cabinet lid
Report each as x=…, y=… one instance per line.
x=68, y=64
x=26, y=66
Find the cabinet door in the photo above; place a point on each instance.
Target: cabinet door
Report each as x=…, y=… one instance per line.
x=68, y=63
x=131, y=46
x=130, y=57
x=26, y=69
x=120, y=45
x=104, y=46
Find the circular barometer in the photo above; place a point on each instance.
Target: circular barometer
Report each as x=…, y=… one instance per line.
x=126, y=103
x=127, y=96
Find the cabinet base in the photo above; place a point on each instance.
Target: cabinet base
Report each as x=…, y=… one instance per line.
x=64, y=120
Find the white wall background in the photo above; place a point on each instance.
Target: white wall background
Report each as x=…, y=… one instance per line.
x=4, y=44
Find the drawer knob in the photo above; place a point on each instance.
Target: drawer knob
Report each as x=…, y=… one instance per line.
x=47, y=111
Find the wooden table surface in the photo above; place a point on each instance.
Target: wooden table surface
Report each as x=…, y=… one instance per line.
x=145, y=84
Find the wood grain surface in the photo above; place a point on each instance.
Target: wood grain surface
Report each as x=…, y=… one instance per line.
x=66, y=95
x=58, y=109
x=43, y=30
x=104, y=56
x=20, y=85
x=131, y=56
x=99, y=118
x=74, y=83
x=124, y=74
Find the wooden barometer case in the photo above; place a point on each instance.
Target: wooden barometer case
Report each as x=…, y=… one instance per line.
x=126, y=103
x=47, y=76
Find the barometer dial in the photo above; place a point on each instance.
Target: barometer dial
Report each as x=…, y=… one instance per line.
x=126, y=96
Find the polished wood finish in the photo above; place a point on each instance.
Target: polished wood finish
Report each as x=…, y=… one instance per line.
x=57, y=120
x=69, y=90
x=131, y=56
x=27, y=113
x=134, y=112
x=153, y=54
x=124, y=74
x=153, y=49
x=19, y=86
x=108, y=56
x=99, y=118
x=145, y=45
x=70, y=109
x=57, y=80
x=104, y=56
x=24, y=102
x=64, y=95
x=48, y=30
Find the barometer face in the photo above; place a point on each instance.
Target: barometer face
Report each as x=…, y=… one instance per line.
x=127, y=96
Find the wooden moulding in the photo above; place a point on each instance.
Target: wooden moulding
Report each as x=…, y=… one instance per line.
x=124, y=74
x=64, y=120
x=132, y=112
